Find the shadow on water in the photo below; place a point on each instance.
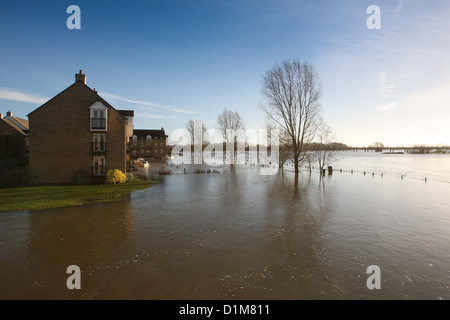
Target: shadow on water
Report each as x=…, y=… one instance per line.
x=92, y=237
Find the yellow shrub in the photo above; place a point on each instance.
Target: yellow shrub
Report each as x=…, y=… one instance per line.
x=115, y=176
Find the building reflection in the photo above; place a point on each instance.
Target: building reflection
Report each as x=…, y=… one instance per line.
x=91, y=237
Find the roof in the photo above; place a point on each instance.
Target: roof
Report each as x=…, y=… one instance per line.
x=143, y=133
x=15, y=126
x=126, y=113
x=95, y=92
x=22, y=122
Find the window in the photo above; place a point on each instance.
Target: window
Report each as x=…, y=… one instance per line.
x=99, y=168
x=98, y=143
x=99, y=117
x=134, y=142
x=149, y=140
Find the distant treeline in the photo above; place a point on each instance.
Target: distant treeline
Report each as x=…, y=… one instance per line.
x=334, y=146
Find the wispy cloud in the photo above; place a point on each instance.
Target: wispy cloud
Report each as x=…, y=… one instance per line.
x=146, y=105
x=386, y=108
x=114, y=97
x=14, y=95
x=183, y=111
x=386, y=87
x=151, y=116
x=400, y=5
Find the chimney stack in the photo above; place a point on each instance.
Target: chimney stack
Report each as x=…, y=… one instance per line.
x=80, y=77
x=1, y=116
x=9, y=113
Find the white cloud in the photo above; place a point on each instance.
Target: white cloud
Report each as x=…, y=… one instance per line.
x=114, y=97
x=11, y=94
x=183, y=111
x=386, y=108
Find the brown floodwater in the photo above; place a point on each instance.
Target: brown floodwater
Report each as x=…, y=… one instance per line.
x=238, y=235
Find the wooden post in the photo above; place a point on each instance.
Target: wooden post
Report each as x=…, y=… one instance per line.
x=330, y=170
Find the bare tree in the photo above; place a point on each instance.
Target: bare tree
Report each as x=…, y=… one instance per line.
x=231, y=126
x=324, y=153
x=378, y=144
x=292, y=90
x=284, y=148
x=196, y=130
x=196, y=136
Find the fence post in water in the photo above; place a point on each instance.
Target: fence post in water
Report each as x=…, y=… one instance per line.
x=373, y=174
x=364, y=173
x=382, y=174
x=352, y=171
x=340, y=170
x=402, y=177
x=330, y=170
x=425, y=179
x=184, y=170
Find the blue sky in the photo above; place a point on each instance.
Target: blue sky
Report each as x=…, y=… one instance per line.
x=172, y=61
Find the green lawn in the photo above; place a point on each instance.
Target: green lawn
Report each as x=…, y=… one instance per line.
x=44, y=197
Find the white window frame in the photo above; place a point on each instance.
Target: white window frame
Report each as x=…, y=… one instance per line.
x=104, y=141
x=93, y=165
x=98, y=106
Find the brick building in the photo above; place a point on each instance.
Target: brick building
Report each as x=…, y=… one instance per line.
x=148, y=144
x=77, y=131
x=13, y=137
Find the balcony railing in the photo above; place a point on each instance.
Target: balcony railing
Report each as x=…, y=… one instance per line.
x=98, y=123
x=98, y=147
x=98, y=170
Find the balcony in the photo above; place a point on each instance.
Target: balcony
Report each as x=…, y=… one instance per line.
x=98, y=147
x=98, y=170
x=98, y=123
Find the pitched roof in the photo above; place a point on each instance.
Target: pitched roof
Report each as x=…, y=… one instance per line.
x=143, y=133
x=83, y=84
x=13, y=125
x=22, y=122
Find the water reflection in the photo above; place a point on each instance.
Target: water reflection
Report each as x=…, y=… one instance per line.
x=237, y=235
x=88, y=236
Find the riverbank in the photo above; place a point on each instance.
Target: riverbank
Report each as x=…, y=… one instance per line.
x=46, y=197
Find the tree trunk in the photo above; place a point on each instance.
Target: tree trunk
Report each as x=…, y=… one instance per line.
x=296, y=164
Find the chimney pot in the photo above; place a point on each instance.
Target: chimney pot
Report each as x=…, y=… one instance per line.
x=9, y=113
x=80, y=77
x=1, y=116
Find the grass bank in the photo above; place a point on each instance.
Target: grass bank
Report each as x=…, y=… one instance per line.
x=44, y=197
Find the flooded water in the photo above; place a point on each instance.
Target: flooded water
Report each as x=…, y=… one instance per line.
x=241, y=235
